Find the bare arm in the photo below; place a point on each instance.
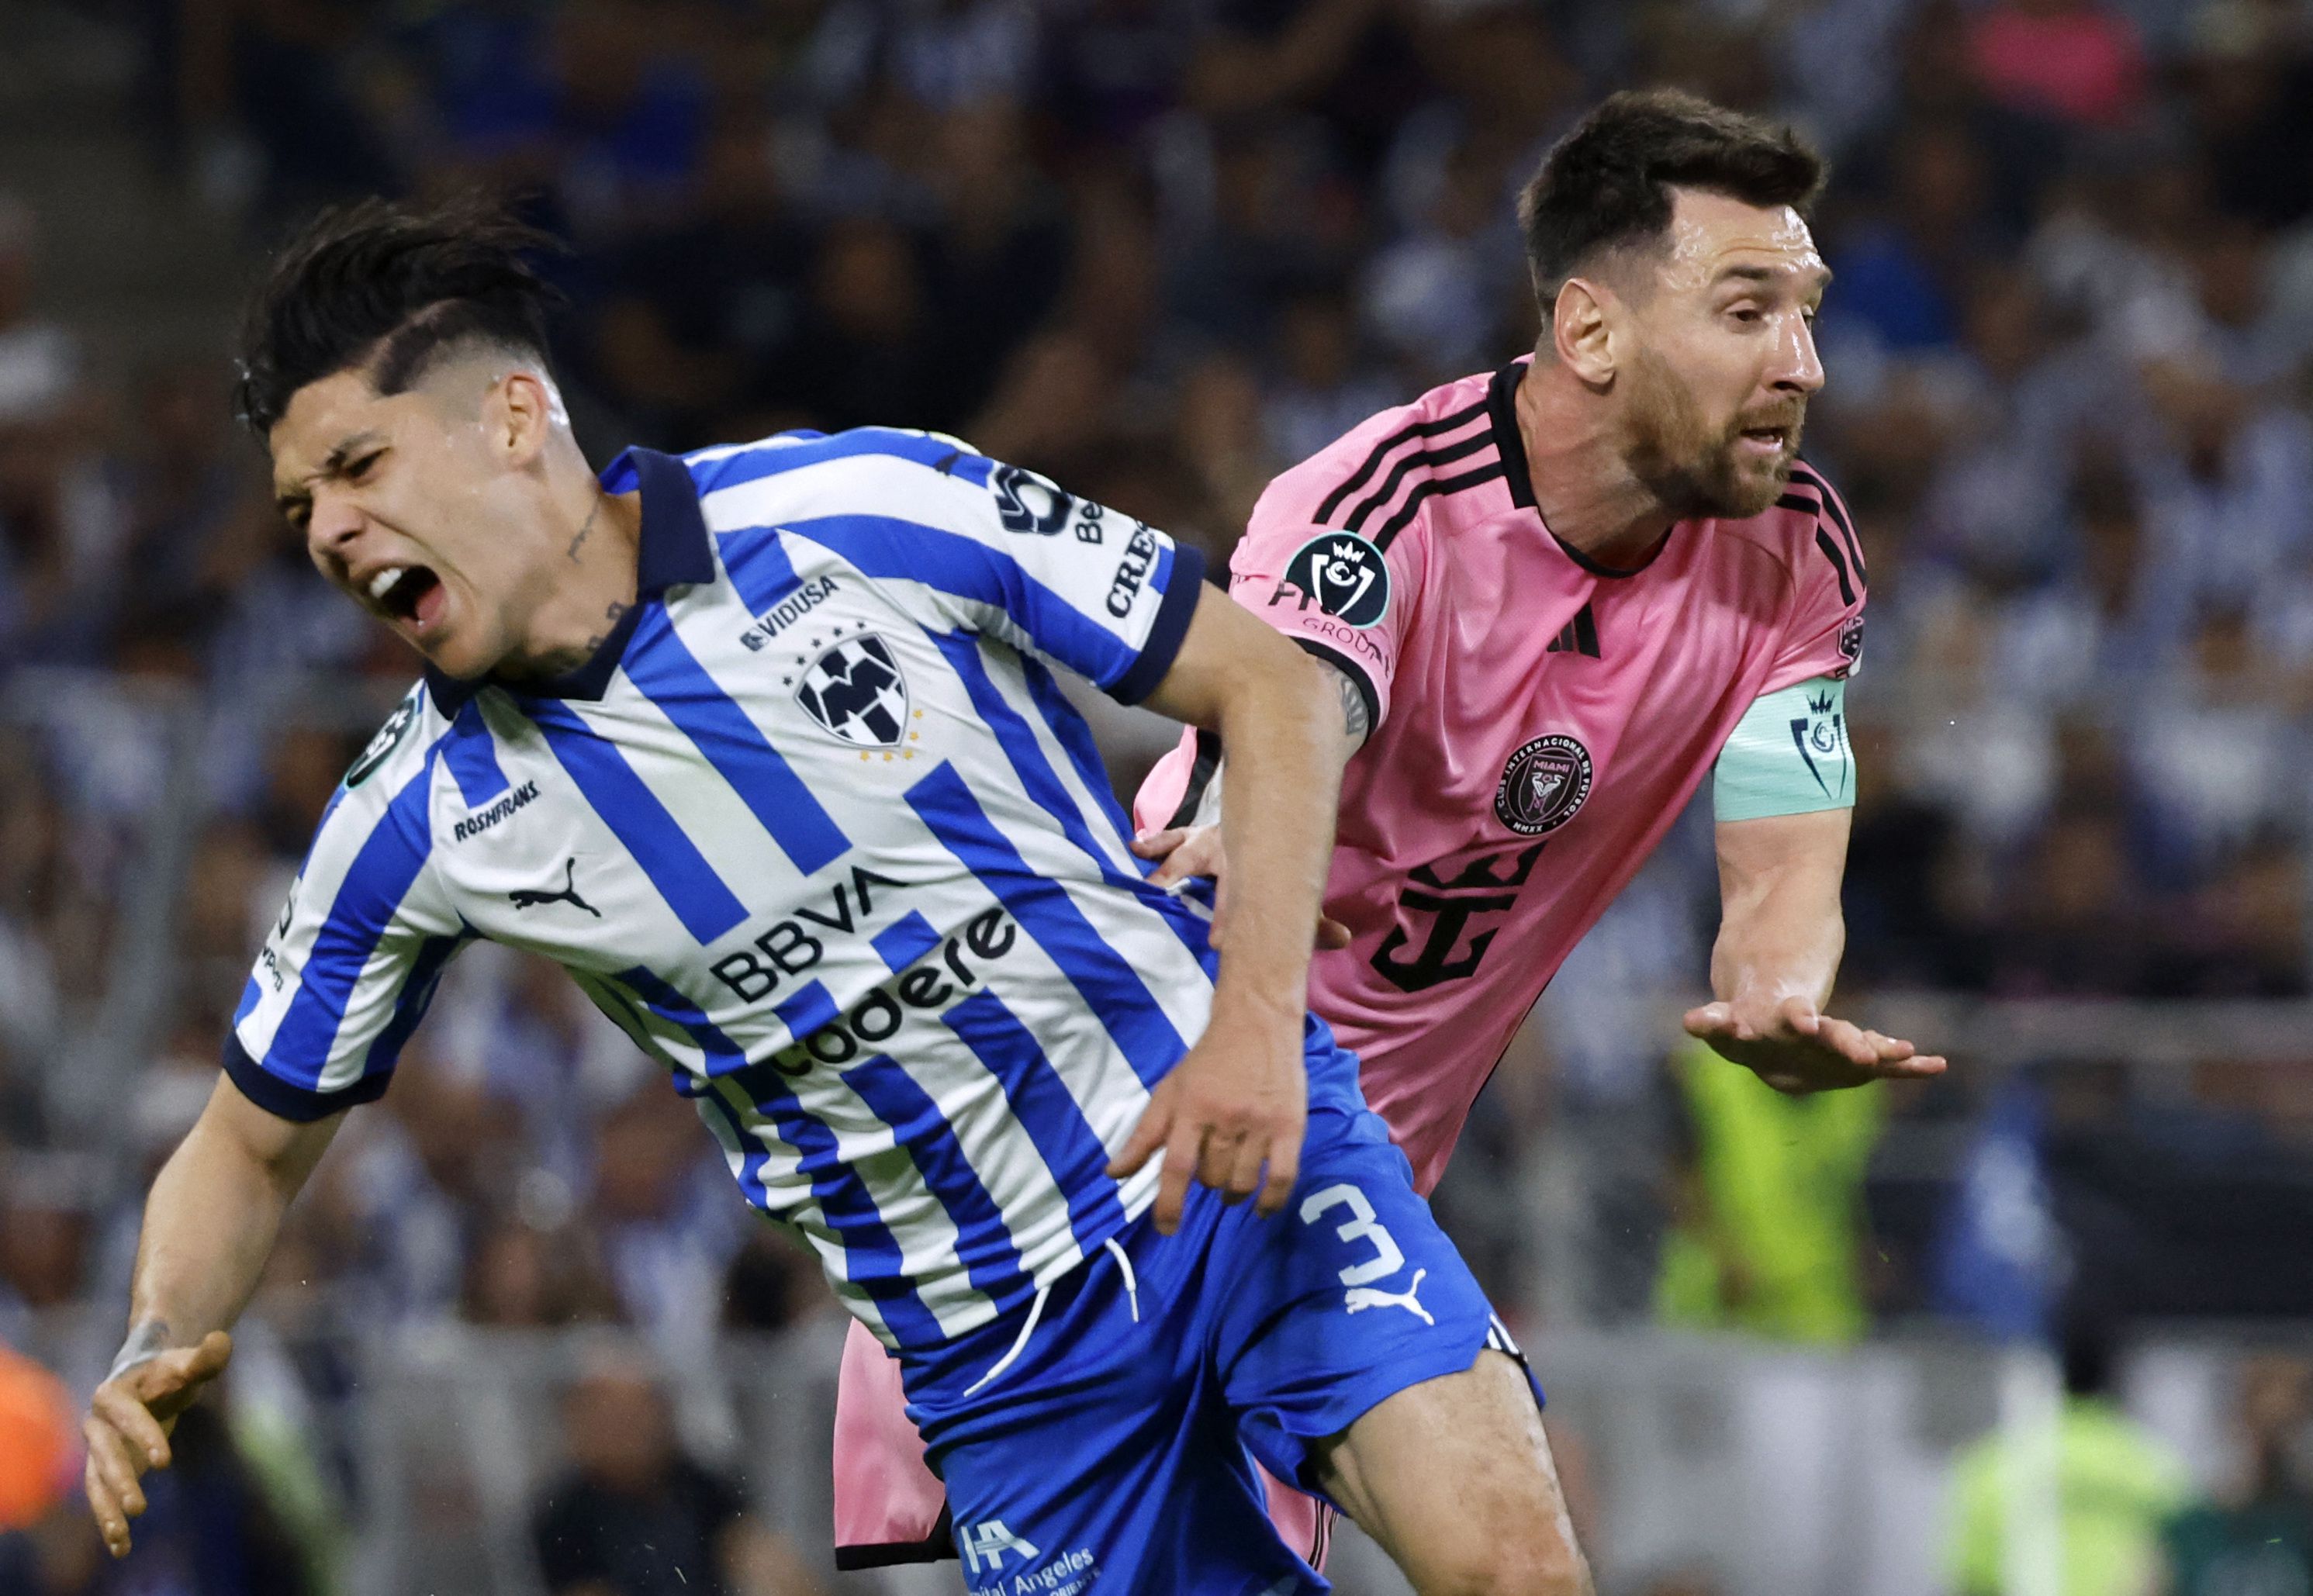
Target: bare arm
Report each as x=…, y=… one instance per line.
x=1355, y=725
x=1781, y=931
x=209, y=1225
x=1185, y=852
x=1238, y=1100
x=1781, y=934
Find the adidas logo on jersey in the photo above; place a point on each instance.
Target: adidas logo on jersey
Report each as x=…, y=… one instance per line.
x=1579, y=636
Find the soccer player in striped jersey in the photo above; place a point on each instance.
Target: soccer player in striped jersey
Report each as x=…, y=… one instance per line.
x=1554, y=599
x=763, y=744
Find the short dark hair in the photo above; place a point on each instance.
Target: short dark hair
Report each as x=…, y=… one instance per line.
x=378, y=287
x=1607, y=184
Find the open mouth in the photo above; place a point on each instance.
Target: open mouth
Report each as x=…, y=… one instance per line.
x=412, y=594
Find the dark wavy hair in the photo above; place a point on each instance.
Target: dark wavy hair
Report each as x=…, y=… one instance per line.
x=1607, y=185
x=387, y=290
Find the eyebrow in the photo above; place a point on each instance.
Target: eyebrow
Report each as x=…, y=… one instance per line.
x=334, y=465
x=1768, y=274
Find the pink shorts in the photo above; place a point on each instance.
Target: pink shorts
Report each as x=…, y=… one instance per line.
x=890, y=1508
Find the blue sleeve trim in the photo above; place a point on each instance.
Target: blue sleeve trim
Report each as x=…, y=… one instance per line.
x=299, y=1104
x=1165, y=633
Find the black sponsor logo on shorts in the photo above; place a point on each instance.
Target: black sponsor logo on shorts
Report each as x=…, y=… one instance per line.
x=1544, y=785
x=1344, y=575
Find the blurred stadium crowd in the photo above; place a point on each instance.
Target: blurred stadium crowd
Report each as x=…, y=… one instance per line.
x=1160, y=250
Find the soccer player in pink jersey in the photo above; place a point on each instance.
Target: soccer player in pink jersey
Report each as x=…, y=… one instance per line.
x=1557, y=596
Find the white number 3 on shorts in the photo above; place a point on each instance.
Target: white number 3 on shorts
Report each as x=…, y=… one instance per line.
x=1361, y=1225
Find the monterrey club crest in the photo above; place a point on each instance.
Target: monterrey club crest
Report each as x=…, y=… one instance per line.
x=855, y=690
x=1345, y=574
x=1544, y=785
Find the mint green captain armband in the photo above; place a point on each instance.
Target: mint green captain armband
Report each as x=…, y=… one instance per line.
x=1787, y=755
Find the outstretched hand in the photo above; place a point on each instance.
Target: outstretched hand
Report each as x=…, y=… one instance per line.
x=1188, y=851
x=128, y=1424
x=1796, y=1049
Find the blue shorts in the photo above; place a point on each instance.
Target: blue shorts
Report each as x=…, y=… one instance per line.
x=1117, y=1444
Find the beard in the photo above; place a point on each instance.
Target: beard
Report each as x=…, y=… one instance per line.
x=1693, y=469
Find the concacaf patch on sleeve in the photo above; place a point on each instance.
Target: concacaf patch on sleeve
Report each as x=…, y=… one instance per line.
x=388, y=737
x=1345, y=577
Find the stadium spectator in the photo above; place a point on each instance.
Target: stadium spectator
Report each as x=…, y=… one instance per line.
x=2258, y=1536
x=38, y=1453
x=638, y=1516
x=2115, y=1487
x=2079, y=59
x=1154, y=248
x=1768, y=1229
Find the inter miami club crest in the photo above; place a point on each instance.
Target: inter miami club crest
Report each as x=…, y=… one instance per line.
x=855, y=690
x=1345, y=574
x=1544, y=785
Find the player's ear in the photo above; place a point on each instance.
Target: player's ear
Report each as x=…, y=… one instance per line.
x=518, y=415
x=1579, y=330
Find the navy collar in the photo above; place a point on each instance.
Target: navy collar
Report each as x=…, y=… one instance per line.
x=676, y=550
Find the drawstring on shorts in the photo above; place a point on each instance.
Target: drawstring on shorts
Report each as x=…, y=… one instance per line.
x=1131, y=1286
x=1036, y=1313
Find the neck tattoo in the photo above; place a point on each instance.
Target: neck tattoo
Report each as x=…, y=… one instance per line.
x=585, y=528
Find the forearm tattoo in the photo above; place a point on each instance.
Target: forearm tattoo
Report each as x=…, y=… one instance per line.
x=1356, y=720
x=148, y=1339
x=1356, y=724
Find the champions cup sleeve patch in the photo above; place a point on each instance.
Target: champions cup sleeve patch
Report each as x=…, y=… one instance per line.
x=1544, y=786
x=1345, y=577
x=388, y=737
x=1789, y=755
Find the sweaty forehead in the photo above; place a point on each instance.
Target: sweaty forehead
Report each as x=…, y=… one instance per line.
x=1712, y=233
x=320, y=416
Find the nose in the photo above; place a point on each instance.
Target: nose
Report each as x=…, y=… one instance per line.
x=1798, y=368
x=333, y=524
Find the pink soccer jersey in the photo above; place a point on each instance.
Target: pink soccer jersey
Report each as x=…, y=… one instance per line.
x=1539, y=723
x=1539, y=720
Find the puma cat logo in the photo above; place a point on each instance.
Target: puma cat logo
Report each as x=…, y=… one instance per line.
x=531, y=898
x=1360, y=1298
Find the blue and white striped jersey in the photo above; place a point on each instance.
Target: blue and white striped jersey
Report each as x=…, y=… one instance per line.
x=817, y=827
